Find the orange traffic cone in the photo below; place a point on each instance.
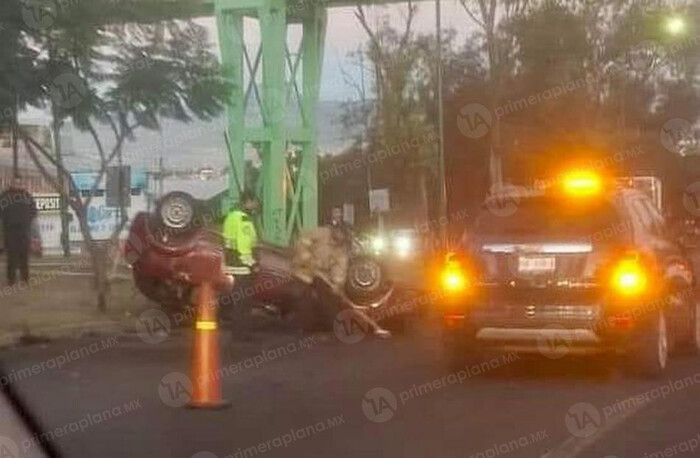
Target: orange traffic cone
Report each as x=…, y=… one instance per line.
x=206, y=393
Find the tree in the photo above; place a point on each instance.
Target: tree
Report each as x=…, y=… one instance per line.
x=18, y=79
x=493, y=17
x=126, y=77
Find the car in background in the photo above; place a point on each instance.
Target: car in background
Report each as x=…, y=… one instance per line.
x=580, y=268
x=400, y=244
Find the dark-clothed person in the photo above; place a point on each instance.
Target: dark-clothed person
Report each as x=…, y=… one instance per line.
x=339, y=223
x=17, y=211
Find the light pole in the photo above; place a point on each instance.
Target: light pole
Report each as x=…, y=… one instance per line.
x=441, y=128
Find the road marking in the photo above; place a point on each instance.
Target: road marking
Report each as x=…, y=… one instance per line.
x=50, y=264
x=72, y=274
x=573, y=446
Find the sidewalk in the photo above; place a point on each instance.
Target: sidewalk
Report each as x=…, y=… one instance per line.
x=59, y=301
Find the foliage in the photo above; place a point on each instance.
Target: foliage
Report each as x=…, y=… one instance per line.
x=126, y=76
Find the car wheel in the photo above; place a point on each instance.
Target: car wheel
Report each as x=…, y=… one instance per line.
x=690, y=343
x=648, y=354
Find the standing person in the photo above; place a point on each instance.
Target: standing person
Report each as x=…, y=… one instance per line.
x=338, y=222
x=240, y=237
x=17, y=210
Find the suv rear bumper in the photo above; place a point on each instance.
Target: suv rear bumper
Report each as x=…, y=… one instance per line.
x=540, y=328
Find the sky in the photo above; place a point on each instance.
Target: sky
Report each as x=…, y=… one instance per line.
x=345, y=34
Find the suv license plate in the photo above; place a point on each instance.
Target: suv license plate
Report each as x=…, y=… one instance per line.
x=536, y=264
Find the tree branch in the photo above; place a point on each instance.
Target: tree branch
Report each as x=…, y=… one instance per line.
x=409, y=22
x=26, y=138
x=472, y=15
x=29, y=144
x=103, y=167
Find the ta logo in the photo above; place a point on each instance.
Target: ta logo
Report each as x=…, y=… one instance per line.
x=175, y=389
x=503, y=200
x=39, y=14
x=8, y=448
x=348, y=327
x=204, y=454
x=379, y=405
x=674, y=132
x=474, y=120
x=68, y=90
x=555, y=343
x=583, y=420
x=153, y=326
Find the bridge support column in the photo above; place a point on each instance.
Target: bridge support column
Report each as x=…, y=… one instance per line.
x=313, y=40
x=273, y=30
x=231, y=33
x=286, y=140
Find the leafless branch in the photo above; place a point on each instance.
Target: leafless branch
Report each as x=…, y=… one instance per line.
x=409, y=22
x=30, y=144
x=471, y=14
x=362, y=17
x=28, y=140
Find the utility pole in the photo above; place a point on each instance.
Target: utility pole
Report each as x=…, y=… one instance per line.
x=14, y=133
x=441, y=128
x=366, y=125
x=56, y=124
x=60, y=179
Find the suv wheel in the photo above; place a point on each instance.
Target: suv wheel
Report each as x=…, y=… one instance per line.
x=648, y=355
x=690, y=345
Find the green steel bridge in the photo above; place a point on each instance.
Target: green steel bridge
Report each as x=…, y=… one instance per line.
x=286, y=77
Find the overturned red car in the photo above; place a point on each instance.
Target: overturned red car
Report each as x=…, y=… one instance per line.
x=174, y=250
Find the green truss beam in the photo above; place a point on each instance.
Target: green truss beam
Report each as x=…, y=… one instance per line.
x=289, y=188
x=287, y=145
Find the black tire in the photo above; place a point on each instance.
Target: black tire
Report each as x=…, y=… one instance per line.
x=366, y=280
x=688, y=342
x=648, y=351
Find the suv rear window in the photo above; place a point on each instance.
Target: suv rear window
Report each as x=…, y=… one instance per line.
x=549, y=217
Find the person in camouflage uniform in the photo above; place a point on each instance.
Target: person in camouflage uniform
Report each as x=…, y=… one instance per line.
x=320, y=259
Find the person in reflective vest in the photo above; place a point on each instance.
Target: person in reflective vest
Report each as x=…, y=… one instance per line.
x=240, y=237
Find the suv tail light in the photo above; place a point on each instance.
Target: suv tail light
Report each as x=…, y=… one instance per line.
x=454, y=278
x=630, y=277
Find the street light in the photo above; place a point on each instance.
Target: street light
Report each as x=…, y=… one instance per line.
x=675, y=25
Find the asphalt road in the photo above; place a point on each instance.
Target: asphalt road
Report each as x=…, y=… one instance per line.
x=302, y=396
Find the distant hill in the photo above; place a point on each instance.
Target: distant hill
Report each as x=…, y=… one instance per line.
x=191, y=145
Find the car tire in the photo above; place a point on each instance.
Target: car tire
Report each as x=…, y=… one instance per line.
x=689, y=343
x=649, y=349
